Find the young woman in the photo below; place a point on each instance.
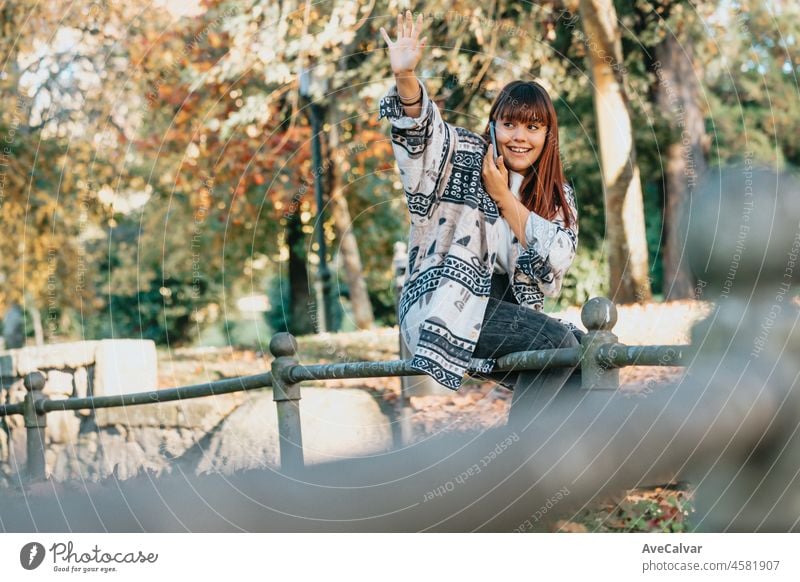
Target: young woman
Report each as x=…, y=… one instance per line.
x=489, y=239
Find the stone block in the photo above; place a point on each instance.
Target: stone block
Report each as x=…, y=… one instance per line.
x=62, y=426
x=123, y=366
x=81, y=380
x=58, y=384
x=66, y=355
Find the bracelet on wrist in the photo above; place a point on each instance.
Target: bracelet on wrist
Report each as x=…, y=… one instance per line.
x=416, y=99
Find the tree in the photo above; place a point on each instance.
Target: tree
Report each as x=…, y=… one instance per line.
x=61, y=136
x=625, y=231
x=678, y=95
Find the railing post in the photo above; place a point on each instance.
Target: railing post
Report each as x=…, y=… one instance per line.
x=286, y=395
x=599, y=315
x=35, y=424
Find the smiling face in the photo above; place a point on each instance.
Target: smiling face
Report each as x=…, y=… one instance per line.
x=526, y=120
x=520, y=142
x=526, y=127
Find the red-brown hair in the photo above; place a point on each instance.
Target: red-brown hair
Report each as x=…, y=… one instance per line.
x=542, y=189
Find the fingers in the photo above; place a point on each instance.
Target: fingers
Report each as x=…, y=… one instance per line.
x=386, y=37
x=406, y=27
x=418, y=27
x=489, y=156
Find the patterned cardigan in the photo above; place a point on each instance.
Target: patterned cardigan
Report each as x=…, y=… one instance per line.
x=452, y=242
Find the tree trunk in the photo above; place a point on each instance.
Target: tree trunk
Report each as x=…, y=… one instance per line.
x=302, y=311
x=678, y=97
x=625, y=229
x=348, y=246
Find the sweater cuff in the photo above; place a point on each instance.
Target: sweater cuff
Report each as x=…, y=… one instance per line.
x=391, y=108
x=540, y=234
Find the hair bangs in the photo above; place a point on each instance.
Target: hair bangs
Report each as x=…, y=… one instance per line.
x=524, y=103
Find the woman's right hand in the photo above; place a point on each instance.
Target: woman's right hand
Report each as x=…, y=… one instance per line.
x=406, y=52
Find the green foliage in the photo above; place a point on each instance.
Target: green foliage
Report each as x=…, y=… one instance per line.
x=380, y=218
x=653, y=213
x=383, y=305
x=586, y=278
x=162, y=311
x=279, y=316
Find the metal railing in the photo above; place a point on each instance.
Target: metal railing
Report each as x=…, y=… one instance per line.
x=599, y=357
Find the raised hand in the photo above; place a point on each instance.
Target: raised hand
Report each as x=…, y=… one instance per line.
x=405, y=52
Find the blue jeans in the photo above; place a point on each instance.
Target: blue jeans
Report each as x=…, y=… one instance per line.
x=509, y=327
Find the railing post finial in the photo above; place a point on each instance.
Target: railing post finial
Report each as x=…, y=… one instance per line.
x=599, y=315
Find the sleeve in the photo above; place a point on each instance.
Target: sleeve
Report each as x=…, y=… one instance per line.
x=551, y=248
x=421, y=147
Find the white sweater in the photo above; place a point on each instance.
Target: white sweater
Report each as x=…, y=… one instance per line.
x=506, y=238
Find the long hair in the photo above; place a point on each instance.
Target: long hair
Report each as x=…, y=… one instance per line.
x=542, y=189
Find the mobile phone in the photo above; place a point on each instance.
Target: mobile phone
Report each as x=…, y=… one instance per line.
x=494, y=140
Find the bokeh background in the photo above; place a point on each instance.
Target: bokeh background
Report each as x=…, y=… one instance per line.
x=156, y=168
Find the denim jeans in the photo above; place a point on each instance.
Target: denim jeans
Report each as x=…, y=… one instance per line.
x=509, y=327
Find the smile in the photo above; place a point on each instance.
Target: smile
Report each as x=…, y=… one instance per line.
x=520, y=150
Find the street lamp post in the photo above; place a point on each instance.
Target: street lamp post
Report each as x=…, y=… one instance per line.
x=316, y=114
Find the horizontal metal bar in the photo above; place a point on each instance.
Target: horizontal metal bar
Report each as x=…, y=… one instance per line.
x=301, y=373
x=156, y=396
x=611, y=355
x=534, y=360
x=9, y=409
x=620, y=355
x=539, y=359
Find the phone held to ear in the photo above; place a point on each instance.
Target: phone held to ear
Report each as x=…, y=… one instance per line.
x=494, y=140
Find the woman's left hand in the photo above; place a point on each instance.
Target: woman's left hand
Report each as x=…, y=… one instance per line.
x=495, y=178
